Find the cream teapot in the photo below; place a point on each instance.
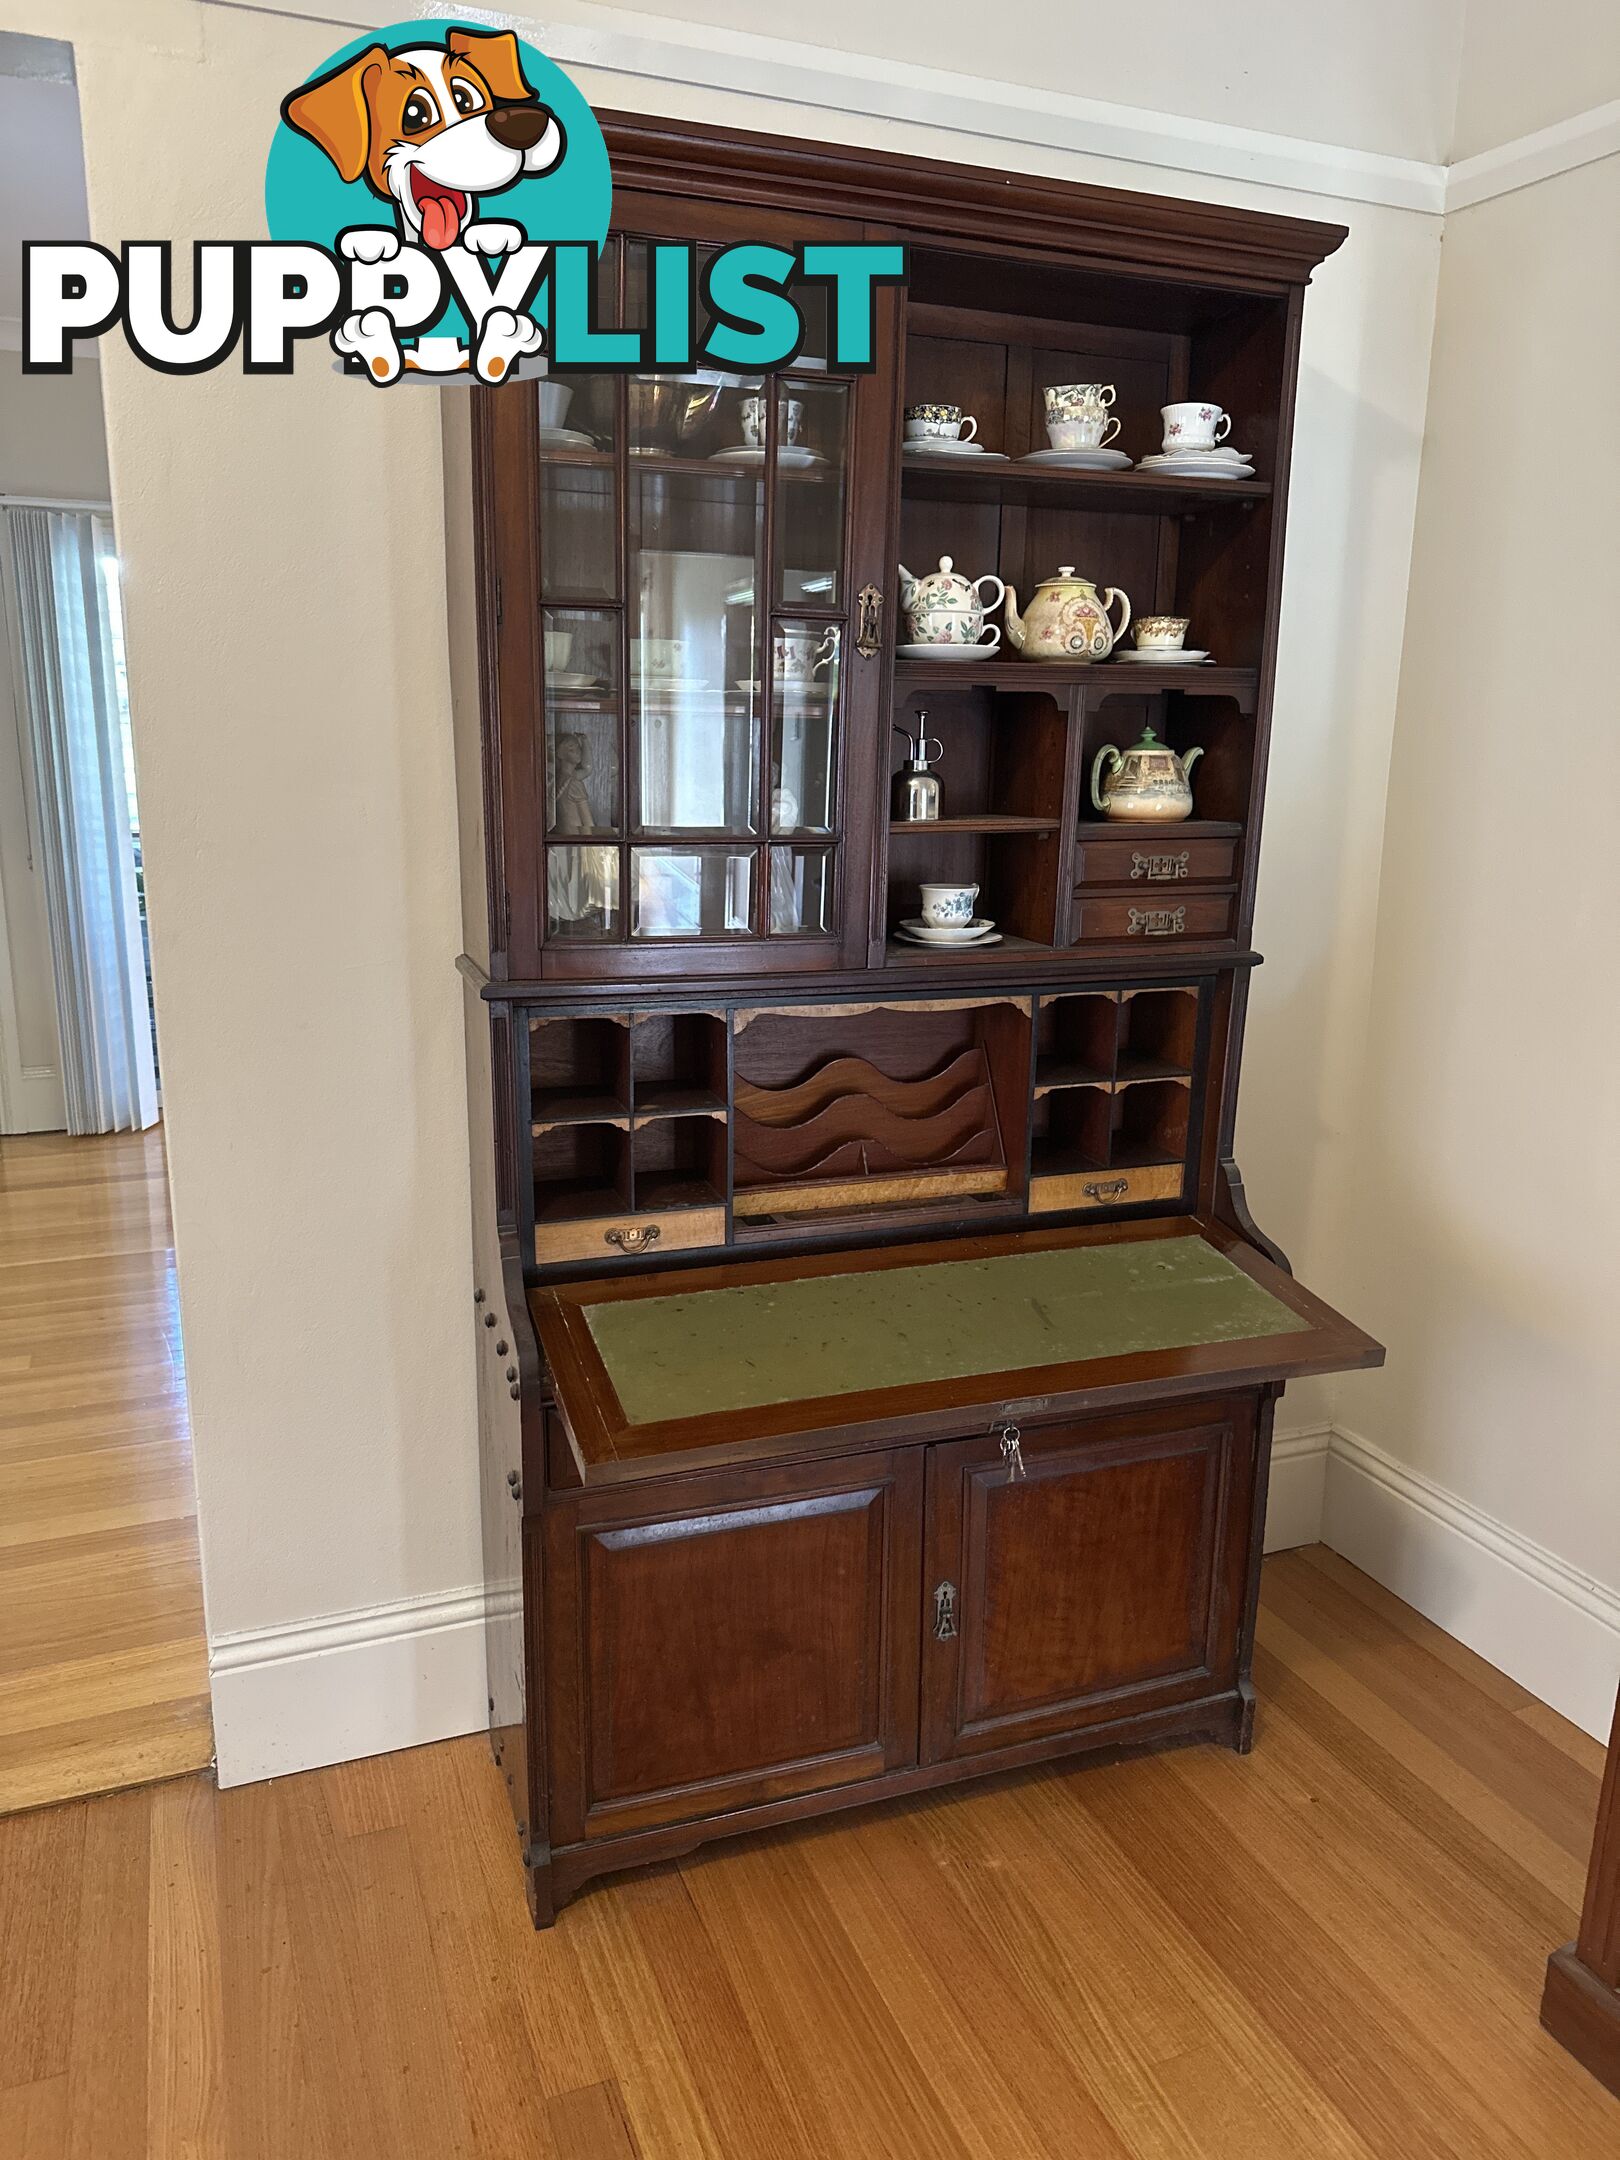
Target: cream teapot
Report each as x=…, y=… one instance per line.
x=944, y=608
x=1067, y=620
x=1147, y=785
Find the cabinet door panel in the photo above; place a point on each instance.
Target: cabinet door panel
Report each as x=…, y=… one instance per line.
x=738, y=1639
x=1106, y=1580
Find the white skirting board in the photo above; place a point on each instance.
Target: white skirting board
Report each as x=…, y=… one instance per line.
x=1543, y=1623
x=1298, y=1479
x=360, y=1683
x=396, y=1676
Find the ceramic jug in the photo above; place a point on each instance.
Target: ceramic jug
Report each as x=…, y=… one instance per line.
x=1067, y=620
x=944, y=608
x=1148, y=785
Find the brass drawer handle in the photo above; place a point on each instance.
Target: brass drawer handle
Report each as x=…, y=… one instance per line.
x=634, y=1240
x=1111, y=1189
x=1161, y=869
x=868, y=628
x=1157, y=922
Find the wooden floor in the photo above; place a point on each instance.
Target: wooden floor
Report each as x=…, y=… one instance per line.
x=103, y=1669
x=1331, y=1948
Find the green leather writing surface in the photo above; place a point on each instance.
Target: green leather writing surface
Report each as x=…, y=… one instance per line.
x=693, y=1353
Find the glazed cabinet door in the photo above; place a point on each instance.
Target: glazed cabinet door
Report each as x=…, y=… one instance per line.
x=691, y=685
x=731, y=1640
x=1098, y=1575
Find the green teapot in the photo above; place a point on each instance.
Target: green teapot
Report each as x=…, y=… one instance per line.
x=1146, y=785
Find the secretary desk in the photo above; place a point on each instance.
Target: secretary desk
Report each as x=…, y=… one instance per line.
x=876, y=1356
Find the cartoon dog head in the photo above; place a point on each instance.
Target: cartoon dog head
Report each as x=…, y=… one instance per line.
x=431, y=127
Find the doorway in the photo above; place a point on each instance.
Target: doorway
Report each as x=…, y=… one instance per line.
x=103, y=1655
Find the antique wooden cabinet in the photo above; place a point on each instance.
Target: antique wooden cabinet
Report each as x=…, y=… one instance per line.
x=877, y=1359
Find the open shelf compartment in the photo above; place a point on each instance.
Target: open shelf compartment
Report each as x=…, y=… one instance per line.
x=909, y=1106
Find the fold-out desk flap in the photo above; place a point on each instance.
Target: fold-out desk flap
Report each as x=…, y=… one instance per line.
x=749, y=1361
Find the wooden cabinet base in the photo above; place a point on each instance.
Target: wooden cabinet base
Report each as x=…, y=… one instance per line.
x=555, y=1878
x=1583, y=2016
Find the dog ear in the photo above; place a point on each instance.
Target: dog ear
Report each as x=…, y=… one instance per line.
x=495, y=55
x=334, y=113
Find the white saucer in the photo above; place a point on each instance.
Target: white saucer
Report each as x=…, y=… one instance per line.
x=950, y=449
x=979, y=932
x=1232, y=473
x=949, y=652
x=1197, y=461
x=1180, y=656
x=667, y=685
x=792, y=457
x=563, y=438
x=1098, y=460
x=575, y=682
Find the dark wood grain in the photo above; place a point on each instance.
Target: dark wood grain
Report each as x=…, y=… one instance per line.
x=725, y=1619
x=1580, y=2004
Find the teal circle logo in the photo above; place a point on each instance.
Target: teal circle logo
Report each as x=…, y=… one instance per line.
x=338, y=171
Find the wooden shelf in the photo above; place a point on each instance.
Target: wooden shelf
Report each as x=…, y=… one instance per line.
x=990, y=822
x=1053, y=1073
x=1103, y=678
x=969, y=480
x=900, y=952
x=551, y=1107
x=660, y=463
x=654, y=1104
x=658, y=1192
x=563, y=1200
x=1135, y=1065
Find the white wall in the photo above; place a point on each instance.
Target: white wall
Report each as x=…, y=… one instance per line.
x=1527, y=69
x=1375, y=75
x=1478, y=1237
x=52, y=443
x=286, y=607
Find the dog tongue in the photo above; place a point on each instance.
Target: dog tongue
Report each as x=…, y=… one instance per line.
x=441, y=220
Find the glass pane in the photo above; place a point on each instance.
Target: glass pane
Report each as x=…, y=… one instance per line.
x=579, y=553
x=811, y=453
x=804, y=726
x=582, y=892
x=801, y=891
x=691, y=892
x=582, y=721
x=811, y=302
x=576, y=413
x=695, y=540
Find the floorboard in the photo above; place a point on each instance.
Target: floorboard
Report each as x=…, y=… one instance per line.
x=103, y=1664
x=1332, y=1947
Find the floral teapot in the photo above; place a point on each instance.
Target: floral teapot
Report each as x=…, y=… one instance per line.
x=1067, y=620
x=1147, y=785
x=945, y=609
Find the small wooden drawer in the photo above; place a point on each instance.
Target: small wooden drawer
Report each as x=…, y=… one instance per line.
x=1105, y=1188
x=1151, y=860
x=1152, y=918
x=625, y=1237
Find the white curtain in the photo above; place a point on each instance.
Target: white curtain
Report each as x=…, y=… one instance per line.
x=71, y=698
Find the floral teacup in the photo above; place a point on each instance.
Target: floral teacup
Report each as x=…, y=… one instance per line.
x=939, y=423
x=789, y=420
x=1161, y=633
x=948, y=907
x=1089, y=432
x=1077, y=401
x=1194, y=426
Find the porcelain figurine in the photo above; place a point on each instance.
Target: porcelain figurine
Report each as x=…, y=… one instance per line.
x=1067, y=620
x=1147, y=785
x=944, y=608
